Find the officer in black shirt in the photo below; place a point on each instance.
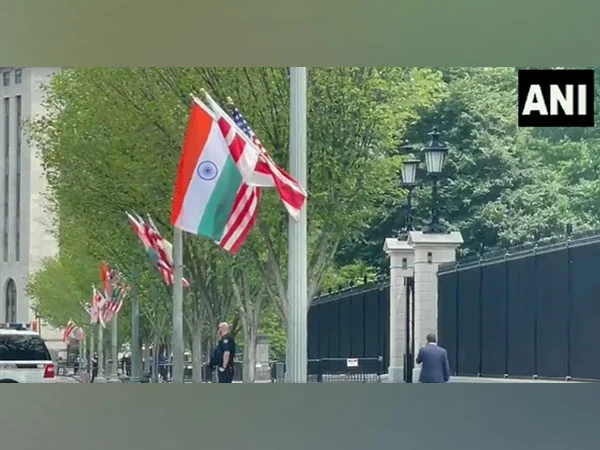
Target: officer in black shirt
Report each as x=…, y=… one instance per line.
x=224, y=354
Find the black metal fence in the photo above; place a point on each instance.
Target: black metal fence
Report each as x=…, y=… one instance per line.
x=526, y=313
x=352, y=323
x=337, y=370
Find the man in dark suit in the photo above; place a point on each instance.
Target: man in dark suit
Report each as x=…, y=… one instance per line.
x=434, y=362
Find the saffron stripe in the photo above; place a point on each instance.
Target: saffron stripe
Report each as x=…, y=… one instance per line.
x=199, y=127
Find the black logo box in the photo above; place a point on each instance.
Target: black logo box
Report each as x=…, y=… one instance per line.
x=561, y=77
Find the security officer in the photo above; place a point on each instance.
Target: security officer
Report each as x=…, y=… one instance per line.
x=225, y=352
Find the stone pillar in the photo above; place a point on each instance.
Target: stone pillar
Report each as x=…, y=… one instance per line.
x=430, y=250
x=263, y=369
x=401, y=256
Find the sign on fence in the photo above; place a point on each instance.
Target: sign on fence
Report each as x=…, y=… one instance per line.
x=352, y=362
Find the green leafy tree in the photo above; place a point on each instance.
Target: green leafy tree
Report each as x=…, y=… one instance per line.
x=111, y=143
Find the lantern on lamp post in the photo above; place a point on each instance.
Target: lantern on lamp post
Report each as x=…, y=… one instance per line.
x=408, y=171
x=435, y=157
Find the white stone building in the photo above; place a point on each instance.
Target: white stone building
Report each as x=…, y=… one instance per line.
x=25, y=240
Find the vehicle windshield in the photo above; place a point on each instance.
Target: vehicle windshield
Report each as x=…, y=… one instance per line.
x=15, y=347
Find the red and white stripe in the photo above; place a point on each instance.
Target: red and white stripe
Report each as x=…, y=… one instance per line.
x=245, y=208
x=153, y=242
x=268, y=174
x=242, y=218
x=68, y=331
x=98, y=303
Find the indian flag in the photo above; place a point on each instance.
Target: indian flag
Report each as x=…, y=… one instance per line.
x=210, y=174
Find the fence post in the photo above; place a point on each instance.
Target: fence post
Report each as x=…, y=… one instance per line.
x=569, y=230
x=457, y=318
x=536, y=238
x=319, y=371
x=480, y=294
x=506, y=315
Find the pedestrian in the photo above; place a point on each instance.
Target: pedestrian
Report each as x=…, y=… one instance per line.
x=94, y=367
x=128, y=365
x=435, y=367
x=163, y=367
x=224, y=354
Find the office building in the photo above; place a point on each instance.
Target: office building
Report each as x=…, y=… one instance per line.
x=25, y=233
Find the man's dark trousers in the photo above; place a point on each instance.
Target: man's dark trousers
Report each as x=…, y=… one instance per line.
x=226, y=376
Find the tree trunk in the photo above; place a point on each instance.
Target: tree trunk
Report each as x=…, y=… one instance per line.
x=249, y=354
x=155, y=356
x=197, y=355
x=209, y=349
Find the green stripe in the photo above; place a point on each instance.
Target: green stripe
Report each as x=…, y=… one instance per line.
x=221, y=202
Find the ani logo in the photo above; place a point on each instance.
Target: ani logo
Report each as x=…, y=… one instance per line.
x=207, y=171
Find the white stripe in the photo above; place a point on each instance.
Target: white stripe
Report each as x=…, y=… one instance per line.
x=243, y=225
x=199, y=191
x=238, y=210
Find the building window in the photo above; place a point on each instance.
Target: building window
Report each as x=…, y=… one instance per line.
x=10, y=301
x=6, y=78
x=18, y=184
x=6, y=172
x=18, y=76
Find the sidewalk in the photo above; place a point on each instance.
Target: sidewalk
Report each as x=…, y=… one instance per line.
x=67, y=379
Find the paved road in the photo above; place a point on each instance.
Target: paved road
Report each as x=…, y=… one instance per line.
x=63, y=379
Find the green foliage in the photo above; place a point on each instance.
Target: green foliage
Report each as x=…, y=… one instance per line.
x=272, y=326
x=501, y=184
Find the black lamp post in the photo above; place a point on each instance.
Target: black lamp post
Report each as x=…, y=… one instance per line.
x=409, y=179
x=435, y=156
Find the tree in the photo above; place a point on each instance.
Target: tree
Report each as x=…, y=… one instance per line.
x=112, y=139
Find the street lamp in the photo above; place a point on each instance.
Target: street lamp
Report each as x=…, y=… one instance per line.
x=408, y=172
x=435, y=156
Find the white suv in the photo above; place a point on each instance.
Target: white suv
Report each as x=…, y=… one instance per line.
x=24, y=357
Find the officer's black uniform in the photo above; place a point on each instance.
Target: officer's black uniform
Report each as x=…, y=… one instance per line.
x=226, y=344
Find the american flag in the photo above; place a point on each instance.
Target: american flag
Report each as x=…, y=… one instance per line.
x=115, y=302
x=245, y=207
x=71, y=326
x=268, y=174
x=158, y=248
x=97, y=311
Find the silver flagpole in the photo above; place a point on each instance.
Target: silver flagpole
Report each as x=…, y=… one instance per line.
x=91, y=350
x=136, y=345
x=296, y=357
x=100, y=378
x=178, y=348
x=114, y=351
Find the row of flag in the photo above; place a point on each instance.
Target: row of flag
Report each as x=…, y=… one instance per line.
x=222, y=169
x=107, y=304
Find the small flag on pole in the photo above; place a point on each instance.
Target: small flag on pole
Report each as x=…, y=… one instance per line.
x=97, y=309
x=68, y=331
x=158, y=248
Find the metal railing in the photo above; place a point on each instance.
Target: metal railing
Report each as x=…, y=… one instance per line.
x=323, y=370
x=336, y=370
